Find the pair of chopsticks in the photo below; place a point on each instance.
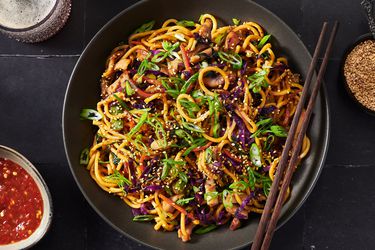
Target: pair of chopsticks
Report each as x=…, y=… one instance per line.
x=297, y=130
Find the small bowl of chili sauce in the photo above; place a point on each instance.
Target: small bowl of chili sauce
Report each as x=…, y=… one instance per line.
x=25, y=202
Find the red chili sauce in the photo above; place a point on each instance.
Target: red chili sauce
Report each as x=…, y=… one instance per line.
x=21, y=204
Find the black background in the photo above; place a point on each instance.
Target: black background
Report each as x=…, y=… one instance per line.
x=339, y=214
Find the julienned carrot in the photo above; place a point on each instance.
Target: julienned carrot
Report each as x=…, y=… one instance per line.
x=202, y=147
x=177, y=207
x=185, y=58
x=141, y=162
x=232, y=156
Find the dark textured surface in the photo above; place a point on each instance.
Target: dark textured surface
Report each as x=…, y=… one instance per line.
x=338, y=214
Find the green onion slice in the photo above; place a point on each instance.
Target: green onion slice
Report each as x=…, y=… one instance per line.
x=192, y=127
x=263, y=41
x=90, y=114
x=84, y=157
x=145, y=217
x=186, y=23
x=184, y=201
x=122, y=103
x=279, y=131
x=232, y=58
x=239, y=185
x=206, y=229
x=139, y=124
x=236, y=21
x=255, y=155
x=145, y=27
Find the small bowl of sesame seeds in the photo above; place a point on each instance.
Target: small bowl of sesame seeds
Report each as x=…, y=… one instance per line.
x=25, y=202
x=358, y=69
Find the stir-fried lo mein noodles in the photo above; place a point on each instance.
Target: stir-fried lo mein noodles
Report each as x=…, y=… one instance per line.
x=192, y=122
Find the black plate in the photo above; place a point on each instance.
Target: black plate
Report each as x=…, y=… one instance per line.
x=360, y=39
x=83, y=92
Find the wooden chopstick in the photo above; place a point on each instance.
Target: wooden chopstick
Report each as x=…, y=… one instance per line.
x=295, y=154
x=285, y=154
x=259, y=241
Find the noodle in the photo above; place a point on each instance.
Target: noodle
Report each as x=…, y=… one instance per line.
x=192, y=122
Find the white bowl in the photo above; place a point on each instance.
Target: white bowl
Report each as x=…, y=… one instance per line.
x=16, y=157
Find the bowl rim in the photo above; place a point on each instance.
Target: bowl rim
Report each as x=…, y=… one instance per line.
x=325, y=143
x=46, y=220
x=360, y=39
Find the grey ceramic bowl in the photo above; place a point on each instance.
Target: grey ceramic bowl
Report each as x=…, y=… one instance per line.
x=16, y=157
x=84, y=91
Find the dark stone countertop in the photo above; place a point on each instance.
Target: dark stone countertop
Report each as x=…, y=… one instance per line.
x=339, y=214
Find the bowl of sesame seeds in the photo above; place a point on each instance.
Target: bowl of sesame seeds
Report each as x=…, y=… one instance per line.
x=25, y=202
x=358, y=69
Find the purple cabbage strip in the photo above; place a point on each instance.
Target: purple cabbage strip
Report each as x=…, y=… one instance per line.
x=266, y=168
x=132, y=171
x=266, y=110
x=155, y=51
x=145, y=207
x=152, y=188
x=155, y=72
x=244, y=66
x=238, y=214
x=221, y=219
x=136, y=211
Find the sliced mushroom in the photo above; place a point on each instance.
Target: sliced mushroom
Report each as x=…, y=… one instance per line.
x=205, y=30
x=232, y=40
x=157, y=144
x=174, y=66
x=201, y=56
x=120, y=82
x=168, y=208
x=142, y=54
x=111, y=63
x=188, y=230
x=104, y=83
x=122, y=64
x=214, y=82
